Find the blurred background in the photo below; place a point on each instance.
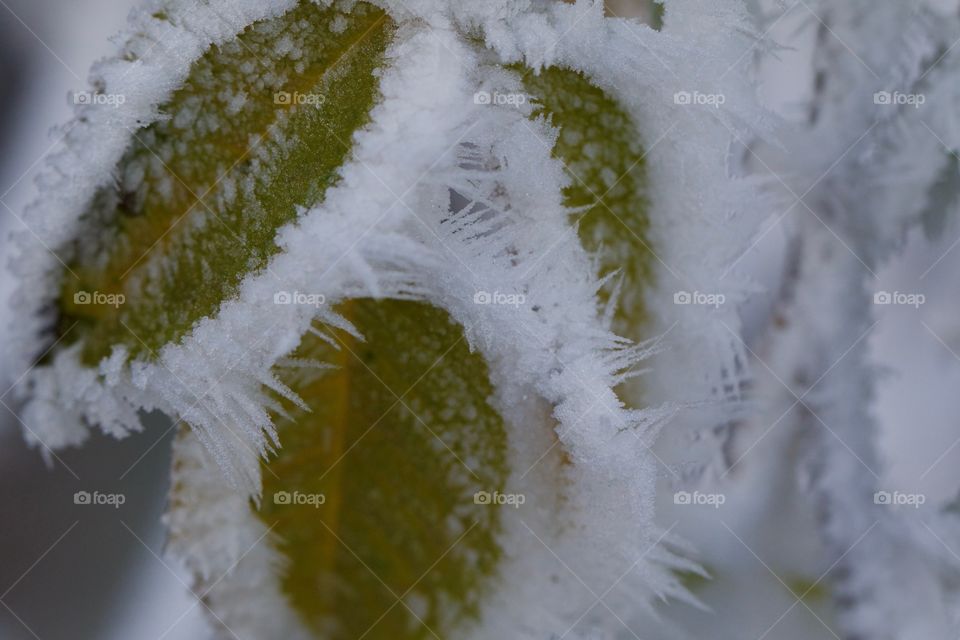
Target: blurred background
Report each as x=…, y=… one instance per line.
x=67, y=570
x=75, y=571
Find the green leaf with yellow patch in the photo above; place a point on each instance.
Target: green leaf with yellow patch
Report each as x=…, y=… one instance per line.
x=398, y=440
x=261, y=126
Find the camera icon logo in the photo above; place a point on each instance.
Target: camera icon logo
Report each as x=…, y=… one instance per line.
x=482, y=97
x=882, y=497
x=82, y=297
x=682, y=497
x=482, y=297
x=682, y=98
x=682, y=297
x=283, y=98
x=482, y=497
x=282, y=297
x=281, y=497
x=882, y=297
x=81, y=497
x=883, y=97
x=82, y=97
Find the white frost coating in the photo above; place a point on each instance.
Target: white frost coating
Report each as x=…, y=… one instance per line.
x=156, y=57
x=701, y=221
x=214, y=379
x=550, y=350
x=386, y=230
x=236, y=573
x=347, y=247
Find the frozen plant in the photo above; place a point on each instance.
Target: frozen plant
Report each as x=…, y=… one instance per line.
x=394, y=269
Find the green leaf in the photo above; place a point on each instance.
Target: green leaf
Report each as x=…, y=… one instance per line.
x=599, y=145
x=261, y=126
x=399, y=438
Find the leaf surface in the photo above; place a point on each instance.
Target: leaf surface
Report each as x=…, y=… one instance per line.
x=261, y=126
x=600, y=147
x=398, y=440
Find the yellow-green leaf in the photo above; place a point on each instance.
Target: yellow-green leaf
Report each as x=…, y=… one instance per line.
x=399, y=439
x=599, y=145
x=260, y=127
